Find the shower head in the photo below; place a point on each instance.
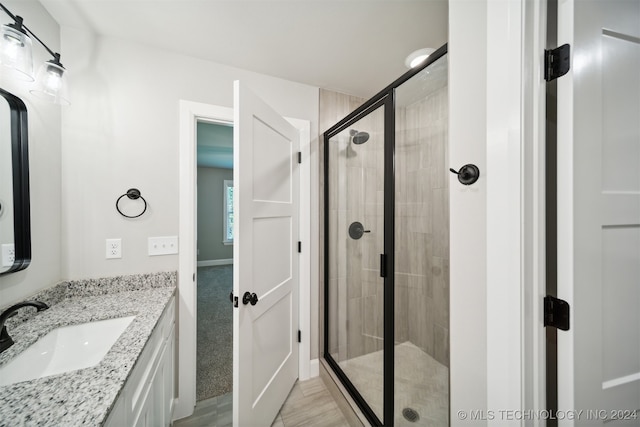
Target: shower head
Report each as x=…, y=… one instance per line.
x=358, y=137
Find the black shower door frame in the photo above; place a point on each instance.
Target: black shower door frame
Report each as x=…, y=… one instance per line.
x=386, y=98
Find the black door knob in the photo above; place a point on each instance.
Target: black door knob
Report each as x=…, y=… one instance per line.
x=249, y=298
x=468, y=174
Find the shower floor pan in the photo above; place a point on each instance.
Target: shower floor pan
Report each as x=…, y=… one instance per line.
x=421, y=384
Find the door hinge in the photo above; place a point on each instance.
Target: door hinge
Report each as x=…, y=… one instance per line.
x=557, y=62
x=299, y=156
x=299, y=335
x=194, y=277
x=299, y=247
x=233, y=299
x=556, y=313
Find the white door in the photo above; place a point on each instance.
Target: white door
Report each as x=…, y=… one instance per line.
x=599, y=211
x=266, y=179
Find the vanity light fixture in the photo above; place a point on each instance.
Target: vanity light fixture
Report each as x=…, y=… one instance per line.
x=16, y=59
x=15, y=51
x=415, y=58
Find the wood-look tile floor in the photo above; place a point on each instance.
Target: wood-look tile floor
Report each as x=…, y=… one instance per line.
x=308, y=404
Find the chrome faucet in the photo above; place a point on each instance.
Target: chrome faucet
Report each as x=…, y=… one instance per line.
x=5, y=339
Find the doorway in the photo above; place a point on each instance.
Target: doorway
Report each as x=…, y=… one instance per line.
x=190, y=114
x=214, y=279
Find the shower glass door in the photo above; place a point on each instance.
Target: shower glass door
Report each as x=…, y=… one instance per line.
x=387, y=250
x=355, y=217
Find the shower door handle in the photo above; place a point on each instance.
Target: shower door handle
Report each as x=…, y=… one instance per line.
x=383, y=265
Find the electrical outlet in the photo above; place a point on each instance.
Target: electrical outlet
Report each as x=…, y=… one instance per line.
x=114, y=248
x=8, y=254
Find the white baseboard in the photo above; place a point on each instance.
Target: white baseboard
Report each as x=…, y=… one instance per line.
x=314, y=368
x=214, y=262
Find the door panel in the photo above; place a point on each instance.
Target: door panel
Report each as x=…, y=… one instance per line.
x=266, y=177
x=272, y=174
x=599, y=211
x=272, y=247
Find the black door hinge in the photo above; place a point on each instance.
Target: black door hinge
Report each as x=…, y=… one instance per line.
x=233, y=299
x=557, y=62
x=299, y=247
x=556, y=313
x=299, y=335
x=299, y=156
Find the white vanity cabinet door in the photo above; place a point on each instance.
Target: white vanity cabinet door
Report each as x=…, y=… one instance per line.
x=144, y=418
x=163, y=385
x=169, y=377
x=147, y=398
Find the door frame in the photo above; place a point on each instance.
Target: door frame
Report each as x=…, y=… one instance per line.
x=191, y=112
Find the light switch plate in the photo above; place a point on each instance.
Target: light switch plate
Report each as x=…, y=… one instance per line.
x=166, y=245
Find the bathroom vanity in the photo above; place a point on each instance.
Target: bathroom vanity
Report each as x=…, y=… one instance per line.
x=147, y=397
x=133, y=384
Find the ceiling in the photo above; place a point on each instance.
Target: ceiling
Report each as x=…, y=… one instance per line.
x=215, y=145
x=352, y=46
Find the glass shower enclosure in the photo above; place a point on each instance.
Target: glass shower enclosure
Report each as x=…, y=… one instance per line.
x=386, y=250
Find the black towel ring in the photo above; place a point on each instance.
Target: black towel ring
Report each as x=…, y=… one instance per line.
x=133, y=194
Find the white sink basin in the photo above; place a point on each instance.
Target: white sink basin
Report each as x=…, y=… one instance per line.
x=65, y=349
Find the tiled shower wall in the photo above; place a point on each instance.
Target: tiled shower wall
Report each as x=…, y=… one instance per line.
x=364, y=166
x=422, y=225
x=333, y=107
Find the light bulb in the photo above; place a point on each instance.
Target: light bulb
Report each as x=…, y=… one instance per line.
x=15, y=53
x=51, y=83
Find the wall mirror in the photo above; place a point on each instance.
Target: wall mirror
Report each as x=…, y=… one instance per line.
x=15, y=230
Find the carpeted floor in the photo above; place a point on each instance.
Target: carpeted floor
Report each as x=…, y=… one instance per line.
x=214, y=367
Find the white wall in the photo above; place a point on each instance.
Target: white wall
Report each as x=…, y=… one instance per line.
x=467, y=144
x=44, y=163
x=121, y=131
x=486, y=110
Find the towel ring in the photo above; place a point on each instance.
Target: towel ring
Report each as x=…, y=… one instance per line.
x=133, y=194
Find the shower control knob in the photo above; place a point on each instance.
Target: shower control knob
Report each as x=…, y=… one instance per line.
x=468, y=174
x=249, y=298
x=356, y=230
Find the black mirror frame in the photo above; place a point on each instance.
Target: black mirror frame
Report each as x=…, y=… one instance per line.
x=20, y=170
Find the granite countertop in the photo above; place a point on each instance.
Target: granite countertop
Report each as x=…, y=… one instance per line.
x=86, y=396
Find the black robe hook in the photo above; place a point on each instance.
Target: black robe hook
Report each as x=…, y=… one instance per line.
x=468, y=174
